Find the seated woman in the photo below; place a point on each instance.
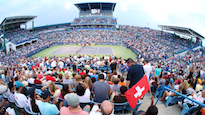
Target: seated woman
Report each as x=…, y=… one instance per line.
x=32, y=100
x=54, y=90
x=166, y=93
x=68, y=80
x=83, y=92
x=65, y=90
x=121, y=97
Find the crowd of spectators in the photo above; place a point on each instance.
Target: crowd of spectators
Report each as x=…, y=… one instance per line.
x=19, y=35
x=82, y=74
x=95, y=20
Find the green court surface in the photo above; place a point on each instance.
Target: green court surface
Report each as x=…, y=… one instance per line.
x=119, y=51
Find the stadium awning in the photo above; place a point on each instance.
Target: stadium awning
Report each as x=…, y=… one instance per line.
x=182, y=31
x=96, y=5
x=16, y=21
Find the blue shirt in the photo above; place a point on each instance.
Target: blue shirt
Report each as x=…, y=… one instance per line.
x=158, y=70
x=48, y=109
x=96, y=77
x=135, y=73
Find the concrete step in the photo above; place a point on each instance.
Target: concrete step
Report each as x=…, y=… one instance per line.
x=162, y=110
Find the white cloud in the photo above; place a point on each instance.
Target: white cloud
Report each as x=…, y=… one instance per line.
x=67, y=5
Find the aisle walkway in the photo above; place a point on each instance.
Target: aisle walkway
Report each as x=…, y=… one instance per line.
x=162, y=110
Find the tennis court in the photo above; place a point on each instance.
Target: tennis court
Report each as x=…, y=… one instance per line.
x=84, y=50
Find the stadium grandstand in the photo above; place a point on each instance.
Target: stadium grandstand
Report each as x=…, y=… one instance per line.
x=14, y=35
x=95, y=15
x=87, y=58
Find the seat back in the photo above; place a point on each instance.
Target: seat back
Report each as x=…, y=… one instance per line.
x=136, y=107
x=120, y=106
x=60, y=86
x=30, y=112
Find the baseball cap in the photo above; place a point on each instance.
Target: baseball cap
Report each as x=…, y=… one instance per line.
x=18, y=84
x=31, y=91
x=72, y=100
x=129, y=60
x=45, y=94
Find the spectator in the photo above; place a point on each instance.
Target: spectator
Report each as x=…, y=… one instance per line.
x=121, y=97
x=65, y=90
x=32, y=100
x=122, y=83
x=115, y=87
x=191, y=73
x=54, y=90
x=45, y=107
x=147, y=68
x=190, y=89
x=94, y=75
x=88, y=82
x=19, y=97
x=83, y=92
x=135, y=73
x=158, y=71
x=74, y=108
x=11, y=91
x=68, y=81
x=101, y=90
x=106, y=108
x=152, y=110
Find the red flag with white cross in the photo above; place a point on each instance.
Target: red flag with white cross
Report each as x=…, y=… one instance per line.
x=137, y=91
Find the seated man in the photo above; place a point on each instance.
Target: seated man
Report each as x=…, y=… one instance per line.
x=74, y=107
x=45, y=107
x=101, y=90
x=121, y=97
x=106, y=108
x=19, y=97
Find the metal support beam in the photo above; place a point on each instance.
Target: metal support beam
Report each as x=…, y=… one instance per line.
x=33, y=26
x=4, y=38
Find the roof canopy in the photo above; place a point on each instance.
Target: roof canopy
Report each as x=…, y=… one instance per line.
x=16, y=21
x=182, y=30
x=96, y=5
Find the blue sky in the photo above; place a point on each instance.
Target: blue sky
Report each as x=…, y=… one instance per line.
x=144, y=13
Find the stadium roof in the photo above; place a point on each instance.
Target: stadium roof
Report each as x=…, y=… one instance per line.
x=16, y=20
x=181, y=30
x=96, y=5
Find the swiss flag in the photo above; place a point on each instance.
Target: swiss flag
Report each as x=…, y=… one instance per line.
x=137, y=91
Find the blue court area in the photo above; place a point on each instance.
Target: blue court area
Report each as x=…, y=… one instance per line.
x=84, y=50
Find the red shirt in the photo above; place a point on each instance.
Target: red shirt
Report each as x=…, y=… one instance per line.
x=39, y=76
x=36, y=81
x=82, y=73
x=50, y=78
x=37, y=64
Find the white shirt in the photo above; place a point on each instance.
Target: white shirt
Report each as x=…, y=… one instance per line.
x=85, y=97
x=31, y=80
x=147, y=70
x=53, y=64
x=61, y=64
x=21, y=99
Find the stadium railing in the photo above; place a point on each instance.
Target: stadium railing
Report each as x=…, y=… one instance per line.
x=185, y=108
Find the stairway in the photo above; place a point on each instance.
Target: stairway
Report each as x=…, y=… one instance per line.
x=162, y=110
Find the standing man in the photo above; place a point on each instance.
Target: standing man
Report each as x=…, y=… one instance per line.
x=135, y=73
x=147, y=68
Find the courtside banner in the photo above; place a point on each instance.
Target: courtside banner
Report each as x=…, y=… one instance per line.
x=137, y=91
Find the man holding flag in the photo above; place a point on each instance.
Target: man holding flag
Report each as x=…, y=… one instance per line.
x=136, y=82
x=135, y=73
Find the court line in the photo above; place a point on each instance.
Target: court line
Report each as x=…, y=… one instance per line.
x=113, y=52
x=97, y=49
x=55, y=50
